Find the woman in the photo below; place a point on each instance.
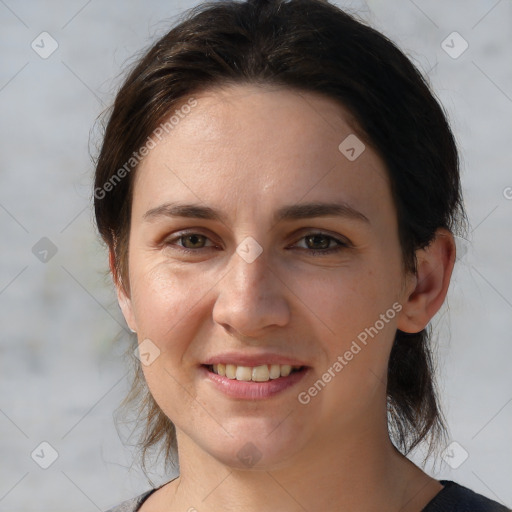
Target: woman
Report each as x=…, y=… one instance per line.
x=279, y=191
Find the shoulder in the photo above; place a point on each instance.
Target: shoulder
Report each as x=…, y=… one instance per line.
x=135, y=504
x=132, y=505
x=457, y=498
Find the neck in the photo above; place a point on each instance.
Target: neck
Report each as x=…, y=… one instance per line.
x=342, y=473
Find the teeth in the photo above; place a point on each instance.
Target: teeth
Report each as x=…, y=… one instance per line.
x=230, y=371
x=286, y=369
x=275, y=371
x=261, y=373
x=243, y=373
x=221, y=369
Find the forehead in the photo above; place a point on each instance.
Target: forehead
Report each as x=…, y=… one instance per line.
x=252, y=145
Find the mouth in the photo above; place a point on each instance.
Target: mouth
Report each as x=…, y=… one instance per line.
x=261, y=382
x=260, y=373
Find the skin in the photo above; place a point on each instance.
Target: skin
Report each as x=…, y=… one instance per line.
x=247, y=151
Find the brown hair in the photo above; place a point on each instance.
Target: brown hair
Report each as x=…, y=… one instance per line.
x=309, y=45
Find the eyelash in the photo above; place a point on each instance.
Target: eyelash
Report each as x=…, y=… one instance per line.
x=314, y=252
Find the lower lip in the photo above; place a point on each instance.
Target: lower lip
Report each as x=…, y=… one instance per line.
x=249, y=390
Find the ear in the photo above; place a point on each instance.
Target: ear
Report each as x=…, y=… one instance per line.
x=123, y=299
x=427, y=289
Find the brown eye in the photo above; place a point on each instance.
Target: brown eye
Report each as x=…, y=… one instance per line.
x=190, y=242
x=193, y=241
x=318, y=241
x=321, y=244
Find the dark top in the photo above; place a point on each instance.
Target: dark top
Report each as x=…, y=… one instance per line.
x=452, y=498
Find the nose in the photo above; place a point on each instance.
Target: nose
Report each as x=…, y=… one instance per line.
x=252, y=298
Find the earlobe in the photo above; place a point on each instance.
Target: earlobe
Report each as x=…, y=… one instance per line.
x=425, y=297
x=124, y=301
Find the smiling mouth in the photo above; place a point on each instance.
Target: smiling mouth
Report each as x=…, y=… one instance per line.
x=261, y=373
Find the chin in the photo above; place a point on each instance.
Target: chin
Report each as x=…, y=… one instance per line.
x=259, y=445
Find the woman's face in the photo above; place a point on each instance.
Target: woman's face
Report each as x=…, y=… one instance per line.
x=257, y=240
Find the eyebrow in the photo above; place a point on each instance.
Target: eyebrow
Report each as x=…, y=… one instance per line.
x=285, y=213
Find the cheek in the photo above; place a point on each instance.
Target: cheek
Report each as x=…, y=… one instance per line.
x=349, y=299
x=167, y=301
x=360, y=306
x=362, y=316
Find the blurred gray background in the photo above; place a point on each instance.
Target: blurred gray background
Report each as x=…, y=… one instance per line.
x=62, y=337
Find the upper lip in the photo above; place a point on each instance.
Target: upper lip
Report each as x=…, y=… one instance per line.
x=244, y=359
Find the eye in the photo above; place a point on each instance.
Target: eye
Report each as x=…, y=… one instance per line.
x=316, y=243
x=189, y=241
x=319, y=244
